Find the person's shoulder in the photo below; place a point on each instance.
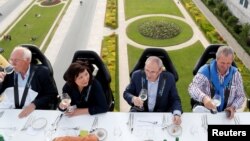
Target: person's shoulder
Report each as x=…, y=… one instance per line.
x=167, y=75
x=137, y=73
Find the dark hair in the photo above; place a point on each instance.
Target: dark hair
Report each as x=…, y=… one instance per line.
x=74, y=69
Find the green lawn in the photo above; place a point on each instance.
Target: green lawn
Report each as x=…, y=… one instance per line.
x=185, y=35
x=184, y=61
x=31, y=26
x=135, y=8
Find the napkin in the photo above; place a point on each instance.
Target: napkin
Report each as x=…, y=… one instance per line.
x=74, y=138
x=8, y=97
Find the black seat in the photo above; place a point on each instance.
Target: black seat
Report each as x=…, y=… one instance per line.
x=162, y=54
x=103, y=75
x=208, y=54
x=38, y=58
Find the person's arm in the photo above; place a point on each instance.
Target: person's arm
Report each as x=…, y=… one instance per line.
x=46, y=88
x=199, y=90
x=237, y=91
x=130, y=94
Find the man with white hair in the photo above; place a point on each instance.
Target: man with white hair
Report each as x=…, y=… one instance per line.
x=28, y=87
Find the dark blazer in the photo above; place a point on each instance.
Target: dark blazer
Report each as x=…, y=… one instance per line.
x=167, y=99
x=96, y=101
x=42, y=83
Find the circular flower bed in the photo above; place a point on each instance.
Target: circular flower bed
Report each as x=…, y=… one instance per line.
x=50, y=2
x=159, y=29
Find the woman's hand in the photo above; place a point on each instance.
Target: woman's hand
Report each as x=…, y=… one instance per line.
x=63, y=106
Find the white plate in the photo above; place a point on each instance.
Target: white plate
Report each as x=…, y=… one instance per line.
x=174, y=130
x=39, y=123
x=101, y=133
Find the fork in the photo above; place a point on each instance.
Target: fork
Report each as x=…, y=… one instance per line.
x=152, y=122
x=236, y=120
x=1, y=113
x=70, y=128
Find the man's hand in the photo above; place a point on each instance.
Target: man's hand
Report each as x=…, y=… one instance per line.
x=27, y=110
x=137, y=101
x=230, y=112
x=208, y=103
x=177, y=119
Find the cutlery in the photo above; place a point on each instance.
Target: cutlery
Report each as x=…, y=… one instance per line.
x=70, y=128
x=58, y=119
x=163, y=124
x=8, y=128
x=28, y=123
x=236, y=120
x=204, y=122
x=132, y=123
x=1, y=113
x=152, y=122
x=94, y=125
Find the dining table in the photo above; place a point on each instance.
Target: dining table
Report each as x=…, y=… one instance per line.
x=45, y=125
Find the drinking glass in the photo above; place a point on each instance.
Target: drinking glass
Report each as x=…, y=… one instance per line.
x=216, y=101
x=9, y=69
x=117, y=133
x=143, y=96
x=65, y=99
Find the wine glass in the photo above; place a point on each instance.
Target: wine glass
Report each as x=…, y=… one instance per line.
x=216, y=101
x=9, y=69
x=65, y=99
x=143, y=96
x=117, y=132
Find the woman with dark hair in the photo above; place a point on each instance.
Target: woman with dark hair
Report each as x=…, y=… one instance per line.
x=86, y=93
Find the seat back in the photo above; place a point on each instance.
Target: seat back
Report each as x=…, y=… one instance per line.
x=103, y=75
x=209, y=53
x=162, y=54
x=38, y=58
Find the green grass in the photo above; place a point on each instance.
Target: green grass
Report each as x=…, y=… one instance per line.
x=135, y=8
x=36, y=27
x=185, y=35
x=184, y=61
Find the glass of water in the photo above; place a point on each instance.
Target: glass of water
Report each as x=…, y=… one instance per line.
x=216, y=101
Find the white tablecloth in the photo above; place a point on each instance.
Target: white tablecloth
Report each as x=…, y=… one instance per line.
x=192, y=129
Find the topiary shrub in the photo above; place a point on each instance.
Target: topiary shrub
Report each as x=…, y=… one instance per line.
x=159, y=29
x=50, y=2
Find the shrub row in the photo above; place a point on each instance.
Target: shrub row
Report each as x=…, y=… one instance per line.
x=111, y=14
x=209, y=31
x=109, y=55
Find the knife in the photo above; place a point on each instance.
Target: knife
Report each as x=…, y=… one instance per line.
x=55, y=124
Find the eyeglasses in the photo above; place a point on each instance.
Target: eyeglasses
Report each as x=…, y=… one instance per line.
x=15, y=60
